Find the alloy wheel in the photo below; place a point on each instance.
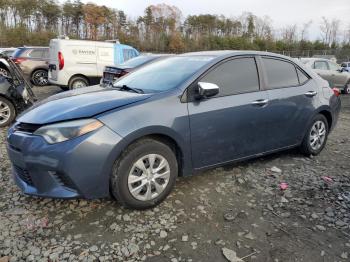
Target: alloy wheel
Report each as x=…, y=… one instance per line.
x=317, y=135
x=5, y=112
x=3, y=72
x=40, y=78
x=148, y=177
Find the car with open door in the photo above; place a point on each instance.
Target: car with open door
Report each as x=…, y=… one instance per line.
x=171, y=118
x=330, y=71
x=16, y=94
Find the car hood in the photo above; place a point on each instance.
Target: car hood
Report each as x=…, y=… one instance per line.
x=79, y=103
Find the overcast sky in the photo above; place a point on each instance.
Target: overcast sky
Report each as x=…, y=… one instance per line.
x=282, y=12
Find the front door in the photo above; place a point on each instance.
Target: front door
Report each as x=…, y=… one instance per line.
x=230, y=125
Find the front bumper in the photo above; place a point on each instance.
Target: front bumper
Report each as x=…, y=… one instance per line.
x=76, y=168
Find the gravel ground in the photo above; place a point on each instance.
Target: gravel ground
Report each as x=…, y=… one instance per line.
x=238, y=211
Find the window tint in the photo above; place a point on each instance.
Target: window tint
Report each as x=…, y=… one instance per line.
x=322, y=65
x=280, y=73
x=235, y=76
x=128, y=54
x=36, y=53
x=302, y=77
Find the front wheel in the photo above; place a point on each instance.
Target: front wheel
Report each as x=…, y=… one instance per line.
x=7, y=112
x=145, y=174
x=316, y=136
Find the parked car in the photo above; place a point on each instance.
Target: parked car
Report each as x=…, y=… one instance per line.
x=112, y=73
x=331, y=72
x=15, y=93
x=80, y=63
x=170, y=118
x=346, y=66
x=34, y=62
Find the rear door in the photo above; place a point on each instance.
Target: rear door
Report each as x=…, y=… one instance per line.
x=292, y=95
x=232, y=124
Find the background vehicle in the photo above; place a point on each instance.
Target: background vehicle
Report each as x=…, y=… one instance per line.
x=34, y=62
x=78, y=63
x=172, y=117
x=7, y=51
x=111, y=73
x=15, y=93
x=346, y=66
x=331, y=72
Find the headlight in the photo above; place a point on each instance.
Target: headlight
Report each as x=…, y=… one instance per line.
x=60, y=132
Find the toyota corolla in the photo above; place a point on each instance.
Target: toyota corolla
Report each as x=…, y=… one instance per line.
x=171, y=118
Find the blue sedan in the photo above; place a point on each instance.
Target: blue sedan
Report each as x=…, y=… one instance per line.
x=171, y=118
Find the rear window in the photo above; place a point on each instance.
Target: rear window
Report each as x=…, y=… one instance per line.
x=137, y=61
x=128, y=54
x=18, y=52
x=280, y=73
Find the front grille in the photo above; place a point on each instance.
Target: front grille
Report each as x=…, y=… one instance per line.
x=23, y=174
x=27, y=128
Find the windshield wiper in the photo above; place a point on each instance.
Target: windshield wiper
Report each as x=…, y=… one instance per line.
x=128, y=88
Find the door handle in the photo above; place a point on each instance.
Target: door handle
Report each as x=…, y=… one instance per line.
x=311, y=93
x=260, y=102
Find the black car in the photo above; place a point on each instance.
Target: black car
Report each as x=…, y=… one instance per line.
x=16, y=94
x=111, y=73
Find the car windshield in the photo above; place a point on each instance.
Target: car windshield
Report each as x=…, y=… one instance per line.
x=137, y=61
x=164, y=74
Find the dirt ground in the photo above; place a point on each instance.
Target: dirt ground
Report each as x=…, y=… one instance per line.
x=238, y=207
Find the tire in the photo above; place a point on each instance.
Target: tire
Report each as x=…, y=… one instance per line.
x=77, y=82
x=346, y=89
x=309, y=146
x=125, y=170
x=40, y=77
x=7, y=112
x=4, y=72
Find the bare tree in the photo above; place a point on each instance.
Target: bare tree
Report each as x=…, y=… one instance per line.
x=305, y=30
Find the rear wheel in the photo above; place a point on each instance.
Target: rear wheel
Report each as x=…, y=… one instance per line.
x=7, y=112
x=40, y=77
x=145, y=174
x=316, y=136
x=78, y=82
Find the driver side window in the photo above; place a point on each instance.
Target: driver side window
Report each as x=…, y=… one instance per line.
x=235, y=76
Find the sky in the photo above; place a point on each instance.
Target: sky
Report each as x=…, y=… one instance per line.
x=282, y=12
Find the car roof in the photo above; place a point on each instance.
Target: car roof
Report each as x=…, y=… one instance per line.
x=228, y=53
x=32, y=47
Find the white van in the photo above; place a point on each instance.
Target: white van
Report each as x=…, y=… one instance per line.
x=79, y=63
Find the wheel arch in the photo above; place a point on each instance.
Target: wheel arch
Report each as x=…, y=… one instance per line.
x=78, y=75
x=36, y=69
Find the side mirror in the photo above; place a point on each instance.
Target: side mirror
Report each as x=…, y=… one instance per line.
x=205, y=90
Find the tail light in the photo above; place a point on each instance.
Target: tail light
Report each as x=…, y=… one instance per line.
x=336, y=91
x=19, y=60
x=60, y=61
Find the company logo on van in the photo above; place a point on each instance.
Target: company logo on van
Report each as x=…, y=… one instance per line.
x=83, y=52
